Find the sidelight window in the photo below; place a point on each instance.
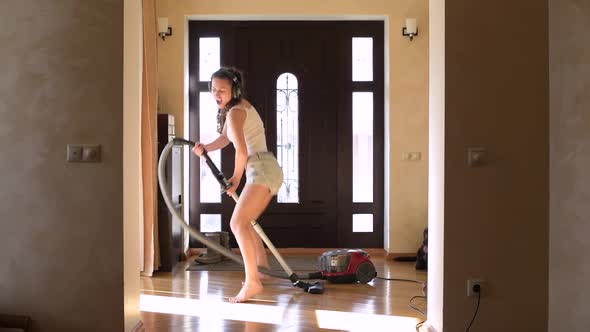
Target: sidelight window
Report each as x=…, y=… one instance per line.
x=288, y=137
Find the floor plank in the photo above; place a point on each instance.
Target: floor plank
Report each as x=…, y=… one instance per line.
x=197, y=301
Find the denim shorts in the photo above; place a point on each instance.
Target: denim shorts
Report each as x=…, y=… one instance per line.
x=263, y=168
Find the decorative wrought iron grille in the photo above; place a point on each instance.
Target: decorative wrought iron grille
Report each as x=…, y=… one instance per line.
x=288, y=137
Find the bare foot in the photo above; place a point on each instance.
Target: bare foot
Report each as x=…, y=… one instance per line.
x=247, y=292
x=263, y=278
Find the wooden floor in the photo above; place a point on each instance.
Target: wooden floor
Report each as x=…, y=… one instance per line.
x=197, y=301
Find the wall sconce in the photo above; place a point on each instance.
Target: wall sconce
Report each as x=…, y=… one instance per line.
x=411, y=28
x=163, y=28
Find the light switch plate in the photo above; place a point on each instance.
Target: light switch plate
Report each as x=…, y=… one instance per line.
x=88, y=153
x=476, y=156
x=91, y=153
x=74, y=153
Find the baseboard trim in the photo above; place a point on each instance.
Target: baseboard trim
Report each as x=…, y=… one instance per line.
x=427, y=328
x=197, y=251
x=377, y=252
x=392, y=255
x=138, y=327
x=15, y=322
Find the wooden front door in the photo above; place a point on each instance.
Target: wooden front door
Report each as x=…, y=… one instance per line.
x=317, y=58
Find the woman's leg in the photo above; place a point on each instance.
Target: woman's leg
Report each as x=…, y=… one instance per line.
x=261, y=258
x=253, y=200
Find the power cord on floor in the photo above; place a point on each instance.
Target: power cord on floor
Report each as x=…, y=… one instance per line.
x=476, y=289
x=423, y=296
x=407, y=280
x=419, y=325
x=415, y=308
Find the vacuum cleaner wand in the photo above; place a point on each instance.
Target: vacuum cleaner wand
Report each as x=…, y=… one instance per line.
x=313, y=288
x=223, y=182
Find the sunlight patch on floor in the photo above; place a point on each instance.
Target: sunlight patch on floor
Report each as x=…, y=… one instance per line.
x=212, y=309
x=350, y=321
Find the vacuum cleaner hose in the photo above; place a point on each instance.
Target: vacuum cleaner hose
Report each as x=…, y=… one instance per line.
x=200, y=236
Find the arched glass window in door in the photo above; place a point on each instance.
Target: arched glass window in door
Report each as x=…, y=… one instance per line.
x=288, y=137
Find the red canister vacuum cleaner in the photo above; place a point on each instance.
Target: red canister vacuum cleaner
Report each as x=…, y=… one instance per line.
x=345, y=266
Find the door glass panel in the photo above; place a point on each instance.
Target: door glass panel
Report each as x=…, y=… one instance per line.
x=362, y=59
x=288, y=137
x=209, y=55
x=362, y=223
x=210, y=223
x=362, y=147
x=210, y=189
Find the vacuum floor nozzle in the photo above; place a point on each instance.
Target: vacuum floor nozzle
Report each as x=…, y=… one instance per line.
x=315, y=288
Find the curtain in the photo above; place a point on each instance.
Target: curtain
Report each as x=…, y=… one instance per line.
x=149, y=105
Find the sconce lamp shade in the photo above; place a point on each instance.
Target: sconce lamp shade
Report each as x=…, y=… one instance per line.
x=163, y=28
x=162, y=25
x=411, y=28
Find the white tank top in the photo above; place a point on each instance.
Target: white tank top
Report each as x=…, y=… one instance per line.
x=254, y=132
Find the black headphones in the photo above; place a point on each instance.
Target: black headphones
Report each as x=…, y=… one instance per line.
x=236, y=85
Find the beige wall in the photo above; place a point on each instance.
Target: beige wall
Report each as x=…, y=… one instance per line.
x=61, y=239
x=407, y=89
x=496, y=217
x=569, y=23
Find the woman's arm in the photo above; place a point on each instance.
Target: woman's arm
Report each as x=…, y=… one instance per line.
x=235, y=133
x=219, y=143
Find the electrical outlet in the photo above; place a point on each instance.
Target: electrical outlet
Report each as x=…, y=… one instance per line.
x=472, y=283
x=91, y=153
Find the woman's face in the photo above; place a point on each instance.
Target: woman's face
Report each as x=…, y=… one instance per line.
x=221, y=91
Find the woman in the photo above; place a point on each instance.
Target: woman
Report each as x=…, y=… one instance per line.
x=238, y=123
